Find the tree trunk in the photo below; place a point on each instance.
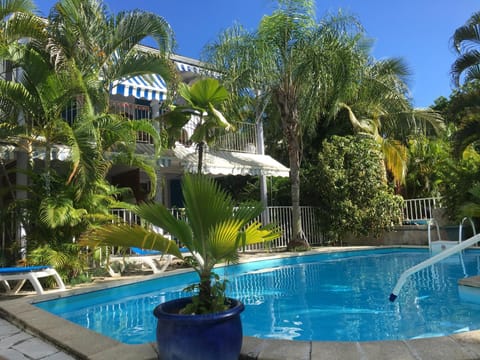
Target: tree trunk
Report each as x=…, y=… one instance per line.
x=205, y=291
x=291, y=130
x=23, y=158
x=298, y=239
x=200, y=146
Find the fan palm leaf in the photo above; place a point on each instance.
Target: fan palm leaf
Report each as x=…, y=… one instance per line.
x=213, y=229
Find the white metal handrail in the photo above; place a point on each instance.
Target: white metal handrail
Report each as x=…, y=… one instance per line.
x=434, y=259
x=460, y=228
x=429, y=232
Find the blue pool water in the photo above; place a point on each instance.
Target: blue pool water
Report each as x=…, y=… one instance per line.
x=337, y=297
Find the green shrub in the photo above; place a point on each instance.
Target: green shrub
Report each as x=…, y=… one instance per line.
x=355, y=196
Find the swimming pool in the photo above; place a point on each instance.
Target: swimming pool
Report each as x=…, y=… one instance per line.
x=339, y=296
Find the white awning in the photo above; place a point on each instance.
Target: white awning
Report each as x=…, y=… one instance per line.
x=150, y=87
x=230, y=163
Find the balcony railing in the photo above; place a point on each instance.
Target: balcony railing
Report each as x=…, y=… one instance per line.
x=244, y=139
x=414, y=209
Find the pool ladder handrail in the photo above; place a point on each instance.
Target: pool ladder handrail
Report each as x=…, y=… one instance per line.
x=431, y=222
x=434, y=259
x=460, y=227
x=460, y=230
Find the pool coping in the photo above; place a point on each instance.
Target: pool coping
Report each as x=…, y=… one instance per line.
x=86, y=344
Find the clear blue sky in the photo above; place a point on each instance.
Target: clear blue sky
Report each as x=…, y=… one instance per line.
x=419, y=31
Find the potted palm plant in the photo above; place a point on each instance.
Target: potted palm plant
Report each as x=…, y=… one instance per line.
x=206, y=325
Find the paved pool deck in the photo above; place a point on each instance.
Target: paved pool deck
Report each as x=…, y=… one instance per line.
x=63, y=340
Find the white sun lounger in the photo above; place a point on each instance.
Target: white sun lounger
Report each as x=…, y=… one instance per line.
x=30, y=273
x=155, y=260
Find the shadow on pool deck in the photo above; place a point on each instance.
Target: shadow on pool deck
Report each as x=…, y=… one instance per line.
x=85, y=344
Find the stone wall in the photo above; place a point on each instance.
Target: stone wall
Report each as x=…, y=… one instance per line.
x=416, y=235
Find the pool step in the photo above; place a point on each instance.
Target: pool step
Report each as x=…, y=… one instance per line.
x=469, y=289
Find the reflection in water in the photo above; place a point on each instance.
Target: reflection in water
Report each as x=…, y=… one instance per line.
x=346, y=299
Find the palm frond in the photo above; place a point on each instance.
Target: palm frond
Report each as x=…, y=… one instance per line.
x=159, y=215
x=128, y=236
x=134, y=26
x=463, y=63
x=59, y=211
x=222, y=241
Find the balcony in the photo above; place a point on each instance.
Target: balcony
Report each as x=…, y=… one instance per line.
x=244, y=139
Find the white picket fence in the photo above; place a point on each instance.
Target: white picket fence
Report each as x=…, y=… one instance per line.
x=420, y=209
x=414, y=209
x=279, y=215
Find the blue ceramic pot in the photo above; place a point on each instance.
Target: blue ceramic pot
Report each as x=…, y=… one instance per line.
x=198, y=337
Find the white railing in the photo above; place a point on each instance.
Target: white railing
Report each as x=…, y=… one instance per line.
x=279, y=215
x=243, y=139
x=420, y=209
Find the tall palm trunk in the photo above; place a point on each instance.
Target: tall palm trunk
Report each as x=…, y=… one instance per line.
x=24, y=161
x=47, y=164
x=291, y=131
x=201, y=149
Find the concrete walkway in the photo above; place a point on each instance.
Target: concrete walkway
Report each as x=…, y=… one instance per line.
x=16, y=344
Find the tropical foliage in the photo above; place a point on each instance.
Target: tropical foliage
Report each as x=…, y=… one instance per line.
x=461, y=110
x=202, y=101
x=319, y=79
x=428, y=158
x=296, y=64
x=70, y=62
x=105, y=47
x=306, y=80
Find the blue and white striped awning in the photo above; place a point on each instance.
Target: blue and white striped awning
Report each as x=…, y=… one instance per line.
x=150, y=87
x=183, y=67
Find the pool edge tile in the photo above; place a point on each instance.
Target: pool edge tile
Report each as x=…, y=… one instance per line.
x=274, y=349
x=72, y=338
x=469, y=340
x=444, y=347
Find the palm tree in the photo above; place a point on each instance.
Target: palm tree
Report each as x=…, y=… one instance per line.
x=213, y=229
x=105, y=47
x=40, y=96
x=298, y=65
x=380, y=107
x=465, y=41
x=202, y=101
x=17, y=20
